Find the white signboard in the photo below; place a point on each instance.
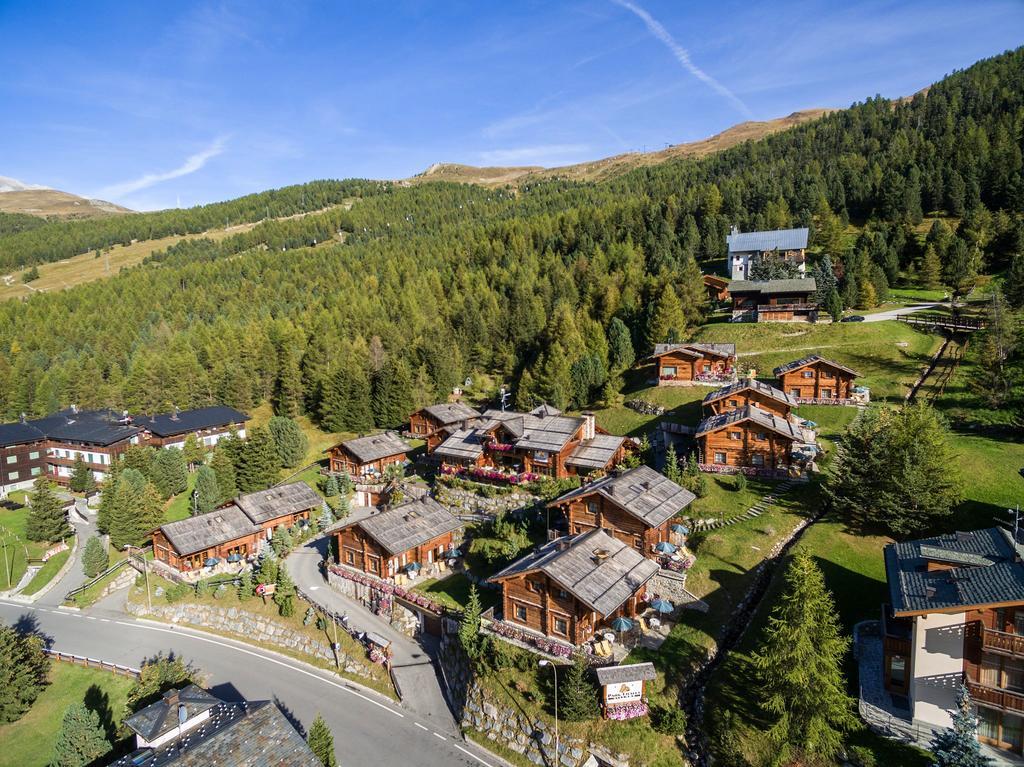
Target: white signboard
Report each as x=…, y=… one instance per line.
x=623, y=692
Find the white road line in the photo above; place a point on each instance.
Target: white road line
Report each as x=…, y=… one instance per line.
x=265, y=658
x=470, y=753
x=105, y=620
x=92, y=617
x=421, y=726
x=439, y=735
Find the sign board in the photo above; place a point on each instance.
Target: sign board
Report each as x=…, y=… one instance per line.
x=623, y=692
x=266, y=589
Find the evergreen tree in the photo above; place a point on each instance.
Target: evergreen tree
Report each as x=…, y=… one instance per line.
x=469, y=625
x=930, y=274
x=824, y=279
x=246, y=588
x=281, y=541
x=289, y=440
x=554, y=377
x=800, y=664
x=82, y=480
x=207, y=491
x=958, y=746
x=577, y=694
x=997, y=344
x=392, y=397
x=193, y=452
x=224, y=468
x=258, y=466
x=81, y=739
x=321, y=742
x=140, y=458
x=94, y=557
x=960, y=270
x=158, y=675
x=169, y=472
x=834, y=305
x=672, y=468
x=287, y=396
x=268, y=570
x=284, y=594
x=667, y=322
x=346, y=404
x=23, y=672
x=620, y=346
x=47, y=520
x=693, y=295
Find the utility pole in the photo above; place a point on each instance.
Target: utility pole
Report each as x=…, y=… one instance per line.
x=7, y=564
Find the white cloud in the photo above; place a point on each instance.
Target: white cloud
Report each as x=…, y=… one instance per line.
x=682, y=55
x=542, y=154
x=192, y=164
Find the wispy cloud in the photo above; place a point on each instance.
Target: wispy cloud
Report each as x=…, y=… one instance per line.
x=681, y=54
x=192, y=164
x=542, y=154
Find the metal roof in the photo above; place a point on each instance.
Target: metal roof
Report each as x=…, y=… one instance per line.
x=751, y=413
x=184, y=421
x=409, y=524
x=264, y=505
x=803, y=362
x=632, y=672
x=595, y=453
x=754, y=385
x=97, y=427
x=19, y=434
x=602, y=572
x=642, y=492
x=989, y=572
x=375, y=446
x=161, y=717
x=773, y=287
x=778, y=239
x=204, y=531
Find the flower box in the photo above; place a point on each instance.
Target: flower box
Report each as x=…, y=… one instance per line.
x=625, y=711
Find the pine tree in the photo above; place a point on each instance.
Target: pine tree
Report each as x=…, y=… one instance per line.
x=346, y=405
x=258, y=465
x=287, y=396
x=577, y=694
x=47, y=520
x=1013, y=284
x=289, y=440
x=996, y=344
x=169, y=472
x=469, y=625
x=620, y=346
x=94, y=557
x=672, y=470
x=81, y=739
x=834, y=305
x=960, y=270
x=193, y=452
x=281, y=541
x=268, y=570
x=824, y=278
x=223, y=466
x=246, y=588
x=82, y=480
x=23, y=672
x=929, y=276
x=958, y=746
x=207, y=490
x=693, y=295
x=392, y=398
x=159, y=674
x=800, y=663
x=321, y=742
x=667, y=322
x=284, y=594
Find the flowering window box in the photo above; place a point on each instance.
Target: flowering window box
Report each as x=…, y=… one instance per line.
x=625, y=711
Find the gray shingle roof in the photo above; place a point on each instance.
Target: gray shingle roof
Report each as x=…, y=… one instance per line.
x=375, y=446
x=161, y=717
x=754, y=385
x=451, y=412
x=540, y=429
x=633, y=672
x=205, y=531
x=773, y=287
x=752, y=413
x=464, y=443
x=595, y=453
x=264, y=505
x=696, y=350
x=810, y=360
x=778, y=239
x=409, y=524
x=649, y=496
x=989, y=572
x=603, y=583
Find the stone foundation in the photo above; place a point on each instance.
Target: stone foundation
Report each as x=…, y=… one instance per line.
x=462, y=501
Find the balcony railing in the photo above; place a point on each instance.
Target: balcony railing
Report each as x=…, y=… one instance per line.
x=896, y=646
x=786, y=307
x=1002, y=642
x=1007, y=700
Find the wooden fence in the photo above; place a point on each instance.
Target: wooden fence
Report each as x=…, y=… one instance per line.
x=81, y=660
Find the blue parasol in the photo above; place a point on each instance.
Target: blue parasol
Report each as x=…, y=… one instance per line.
x=663, y=606
x=665, y=548
x=412, y=567
x=234, y=558
x=453, y=554
x=622, y=624
x=681, y=529
x=211, y=562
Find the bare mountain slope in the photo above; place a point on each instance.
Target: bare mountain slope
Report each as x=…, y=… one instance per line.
x=35, y=200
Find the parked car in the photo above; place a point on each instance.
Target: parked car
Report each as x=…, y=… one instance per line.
x=853, y=318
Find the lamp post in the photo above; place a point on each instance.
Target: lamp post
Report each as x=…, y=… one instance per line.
x=554, y=670
x=145, y=570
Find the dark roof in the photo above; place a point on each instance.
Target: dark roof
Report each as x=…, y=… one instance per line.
x=19, y=434
x=810, y=360
x=647, y=495
x=161, y=717
x=254, y=734
x=205, y=531
x=753, y=384
x=778, y=239
x=696, y=350
x=98, y=427
x=375, y=446
x=751, y=413
x=451, y=412
x=409, y=524
x=595, y=453
x=184, y=421
x=987, y=571
x=633, y=672
x=600, y=571
x=262, y=506
x=773, y=287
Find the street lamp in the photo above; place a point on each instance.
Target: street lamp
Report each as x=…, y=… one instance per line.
x=554, y=670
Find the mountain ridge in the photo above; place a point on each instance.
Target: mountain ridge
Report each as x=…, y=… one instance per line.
x=43, y=201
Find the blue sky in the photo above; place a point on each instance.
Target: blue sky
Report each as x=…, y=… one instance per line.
x=148, y=103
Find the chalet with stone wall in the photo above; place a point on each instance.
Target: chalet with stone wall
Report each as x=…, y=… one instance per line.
x=751, y=438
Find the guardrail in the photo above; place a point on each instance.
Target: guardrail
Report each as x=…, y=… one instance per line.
x=130, y=559
x=82, y=660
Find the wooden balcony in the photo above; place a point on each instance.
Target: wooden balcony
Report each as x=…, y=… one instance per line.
x=1006, y=700
x=1002, y=642
x=786, y=307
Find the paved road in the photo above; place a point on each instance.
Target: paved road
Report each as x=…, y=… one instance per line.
x=368, y=728
x=891, y=314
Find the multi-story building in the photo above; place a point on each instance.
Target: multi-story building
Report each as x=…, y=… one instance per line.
x=207, y=424
x=956, y=615
x=366, y=458
x=814, y=379
x=435, y=423
x=754, y=439
x=788, y=245
x=774, y=300
x=23, y=451
x=98, y=437
x=749, y=391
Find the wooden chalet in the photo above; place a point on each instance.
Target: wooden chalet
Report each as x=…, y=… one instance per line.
x=815, y=379
x=635, y=507
x=749, y=391
x=413, y=537
x=509, y=444
x=684, y=364
x=233, y=532
x=568, y=588
x=774, y=300
x=751, y=438
x=717, y=288
x=364, y=456
x=746, y=248
x=23, y=453
x=208, y=424
x=435, y=423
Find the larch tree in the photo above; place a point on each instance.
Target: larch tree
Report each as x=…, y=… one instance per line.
x=929, y=276
x=223, y=467
x=47, y=520
x=800, y=665
x=287, y=396
x=193, y=452
x=667, y=322
x=81, y=739
x=469, y=625
x=392, y=393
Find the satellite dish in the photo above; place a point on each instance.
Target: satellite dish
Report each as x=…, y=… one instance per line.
x=182, y=713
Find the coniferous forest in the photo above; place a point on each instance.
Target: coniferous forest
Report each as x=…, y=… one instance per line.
x=354, y=312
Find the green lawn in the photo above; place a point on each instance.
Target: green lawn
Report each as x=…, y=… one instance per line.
x=29, y=741
x=15, y=548
x=180, y=506
x=682, y=405
x=453, y=591
x=47, y=572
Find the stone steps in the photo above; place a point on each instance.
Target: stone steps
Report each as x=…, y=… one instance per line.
x=759, y=508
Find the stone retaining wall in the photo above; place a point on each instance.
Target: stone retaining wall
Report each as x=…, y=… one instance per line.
x=462, y=501
x=402, y=619
x=122, y=580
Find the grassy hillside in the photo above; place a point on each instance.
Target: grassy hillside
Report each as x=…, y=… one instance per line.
x=57, y=204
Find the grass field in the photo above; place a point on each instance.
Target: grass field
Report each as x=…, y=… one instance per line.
x=29, y=741
x=15, y=548
x=47, y=572
x=453, y=591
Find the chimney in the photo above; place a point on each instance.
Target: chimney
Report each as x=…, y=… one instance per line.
x=174, y=414
x=74, y=408
x=600, y=555
x=171, y=698
x=24, y=418
x=589, y=425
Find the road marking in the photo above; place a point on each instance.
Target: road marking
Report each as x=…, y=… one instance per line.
x=420, y=726
x=92, y=617
x=439, y=735
x=105, y=620
x=265, y=658
x=470, y=753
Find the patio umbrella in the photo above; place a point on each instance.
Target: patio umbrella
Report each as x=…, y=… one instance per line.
x=211, y=562
x=665, y=548
x=681, y=529
x=663, y=606
x=810, y=424
x=412, y=567
x=453, y=554
x=622, y=624
x=234, y=558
